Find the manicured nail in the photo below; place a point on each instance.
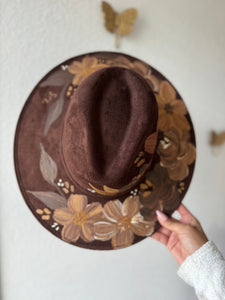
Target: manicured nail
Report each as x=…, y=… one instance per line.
x=161, y=215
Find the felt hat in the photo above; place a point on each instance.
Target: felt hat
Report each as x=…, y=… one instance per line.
x=102, y=142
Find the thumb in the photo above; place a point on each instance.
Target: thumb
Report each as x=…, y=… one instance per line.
x=170, y=223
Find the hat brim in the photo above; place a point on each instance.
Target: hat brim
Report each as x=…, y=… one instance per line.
x=85, y=218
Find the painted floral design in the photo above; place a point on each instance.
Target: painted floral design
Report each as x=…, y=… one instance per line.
x=119, y=220
x=171, y=110
x=78, y=218
x=139, y=67
x=176, y=153
x=158, y=192
x=83, y=69
x=122, y=221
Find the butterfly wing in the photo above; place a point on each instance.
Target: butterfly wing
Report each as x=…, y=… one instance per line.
x=125, y=21
x=217, y=138
x=110, y=17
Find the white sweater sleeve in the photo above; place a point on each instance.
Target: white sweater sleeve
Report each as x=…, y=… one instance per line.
x=205, y=271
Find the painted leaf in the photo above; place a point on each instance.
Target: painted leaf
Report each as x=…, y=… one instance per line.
x=54, y=112
x=50, y=199
x=47, y=166
x=150, y=143
x=110, y=190
x=60, y=78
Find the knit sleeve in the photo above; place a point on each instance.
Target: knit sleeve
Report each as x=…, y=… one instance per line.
x=205, y=271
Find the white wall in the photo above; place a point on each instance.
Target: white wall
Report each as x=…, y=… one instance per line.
x=185, y=40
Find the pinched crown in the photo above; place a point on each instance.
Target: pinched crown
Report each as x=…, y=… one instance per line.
x=109, y=121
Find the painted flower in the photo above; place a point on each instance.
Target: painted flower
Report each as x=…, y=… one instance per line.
x=78, y=218
x=83, y=69
x=140, y=67
x=176, y=153
x=158, y=192
x=171, y=110
x=122, y=221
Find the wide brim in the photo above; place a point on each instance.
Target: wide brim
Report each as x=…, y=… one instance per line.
x=47, y=188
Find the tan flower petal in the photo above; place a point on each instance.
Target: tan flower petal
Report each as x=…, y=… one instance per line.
x=140, y=68
x=179, y=107
x=113, y=210
x=63, y=215
x=166, y=91
x=87, y=232
x=165, y=121
x=121, y=60
x=167, y=163
x=105, y=230
x=89, y=62
x=77, y=202
x=184, y=143
x=160, y=101
x=94, y=210
x=70, y=232
x=75, y=67
x=168, y=153
x=142, y=228
x=179, y=172
x=131, y=206
x=123, y=238
x=180, y=122
x=190, y=155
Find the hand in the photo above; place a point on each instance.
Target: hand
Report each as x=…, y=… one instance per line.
x=183, y=237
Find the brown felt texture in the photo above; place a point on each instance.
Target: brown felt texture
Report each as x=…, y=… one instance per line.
x=106, y=122
x=109, y=117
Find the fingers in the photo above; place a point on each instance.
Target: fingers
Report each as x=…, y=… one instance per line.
x=165, y=231
x=160, y=237
x=170, y=223
x=183, y=210
x=185, y=214
x=187, y=217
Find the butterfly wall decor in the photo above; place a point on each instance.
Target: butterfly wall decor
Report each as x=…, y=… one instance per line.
x=120, y=24
x=217, y=139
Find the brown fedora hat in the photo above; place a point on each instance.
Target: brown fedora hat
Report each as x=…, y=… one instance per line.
x=103, y=141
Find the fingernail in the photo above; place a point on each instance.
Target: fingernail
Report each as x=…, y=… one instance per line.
x=161, y=215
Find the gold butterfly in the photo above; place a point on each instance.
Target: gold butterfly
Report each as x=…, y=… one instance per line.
x=217, y=138
x=120, y=24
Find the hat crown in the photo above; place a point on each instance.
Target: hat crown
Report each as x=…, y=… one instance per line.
x=109, y=117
